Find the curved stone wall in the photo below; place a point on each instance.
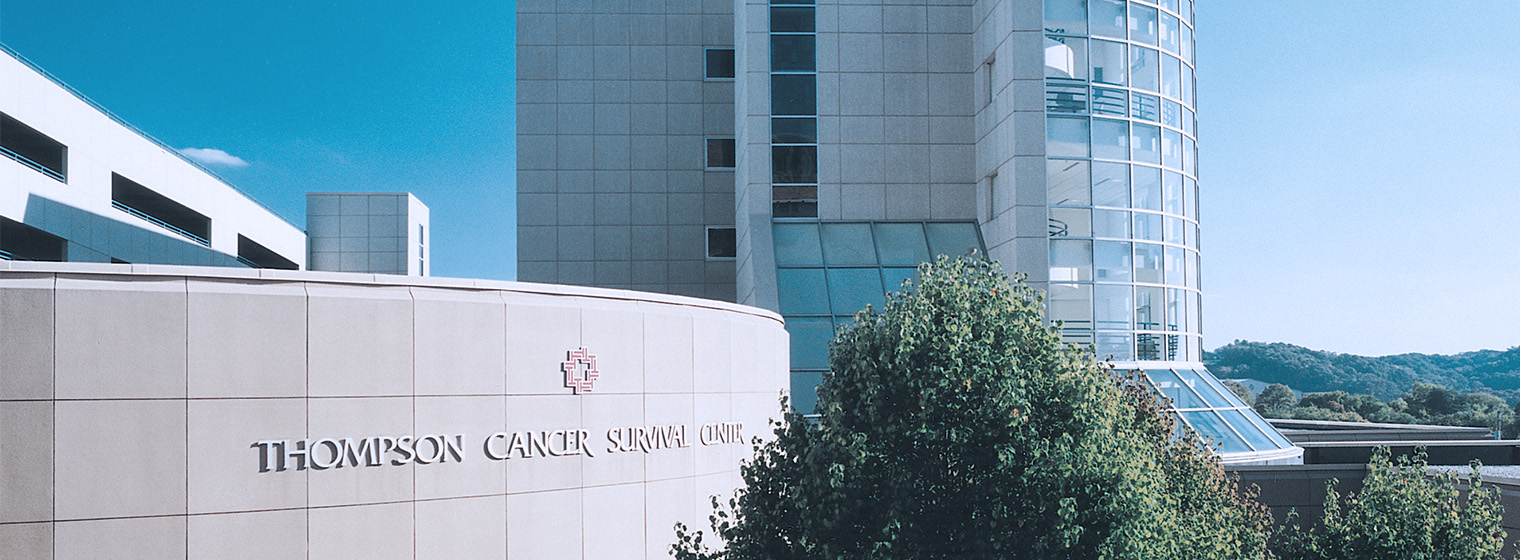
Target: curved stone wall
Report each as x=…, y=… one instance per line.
x=174, y=412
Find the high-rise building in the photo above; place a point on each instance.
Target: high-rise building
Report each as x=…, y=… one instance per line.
x=805, y=156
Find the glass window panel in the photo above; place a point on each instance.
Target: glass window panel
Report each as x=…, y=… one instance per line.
x=1254, y=436
x=1189, y=88
x=1066, y=137
x=1145, y=107
x=893, y=278
x=1148, y=226
x=1142, y=24
x=720, y=64
x=1169, y=4
x=1072, y=305
x=802, y=291
x=1171, y=149
x=1110, y=139
x=1175, y=310
x=1066, y=57
x=954, y=239
x=1144, y=69
x=1171, y=192
x=805, y=389
x=1115, y=346
x=1066, y=16
x=1171, y=76
x=1069, y=182
x=852, y=289
x=1110, y=102
x=1148, y=267
x=1108, y=62
x=1147, y=187
x=1191, y=261
x=1265, y=426
x=794, y=94
x=794, y=131
x=792, y=53
x=1190, y=197
x=1071, y=260
x=848, y=245
x=1194, y=317
x=1229, y=396
x=1111, y=261
x=1145, y=142
x=1080, y=338
x=901, y=244
x=796, y=20
x=797, y=244
x=1214, y=430
x=1188, y=122
x=794, y=164
x=1071, y=222
x=1174, y=229
x=1111, y=223
x=1111, y=184
x=1186, y=10
x=1174, y=267
x=810, y=341
x=1210, y=393
x=1065, y=98
x=1168, y=31
x=1171, y=387
x=1189, y=157
x=1114, y=307
x=1171, y=113
x=1107, y=18
x=1185, y=36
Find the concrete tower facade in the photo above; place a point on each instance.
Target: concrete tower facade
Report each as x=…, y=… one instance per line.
x=1055, y=136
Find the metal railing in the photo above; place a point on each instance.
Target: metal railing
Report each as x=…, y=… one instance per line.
x=160, y=223
x=23, y=160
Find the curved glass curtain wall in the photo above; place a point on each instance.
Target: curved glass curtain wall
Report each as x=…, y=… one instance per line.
x=1122, y=177
x=827, y=271
x=1123, y=205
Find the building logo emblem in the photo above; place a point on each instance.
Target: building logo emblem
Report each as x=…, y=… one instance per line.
x=580, y=370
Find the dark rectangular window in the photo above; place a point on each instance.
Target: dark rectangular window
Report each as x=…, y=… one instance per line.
x=792, y=20
x=794, y=94
x=794, y=131
x=720, y=153
x=258, y=256
x=792, y=53
x=720, y=64
x=794, y=164
x=33, y=149
x=133, y=198
x=21, y=242
x=721, y=243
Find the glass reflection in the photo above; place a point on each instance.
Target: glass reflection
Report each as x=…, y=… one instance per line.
x=797, y=245
x=1142, y=24
x=901, y=243
x=1069, y=182
x=1111, y=184
x=1111, y=261
x=1071, y=222
x=1110, y=139
x=1147, y=188
x=1107, y=18
x=848, y=245
x=852, y=289
x=1113, y=307
x=1072, y=305
x=1145, y=142
x=1066, y=16
x=1066, y=137
x=802, y=291
x=1071, y=260
x=1144, y=69
x=1108, y=62
x=1212, y=427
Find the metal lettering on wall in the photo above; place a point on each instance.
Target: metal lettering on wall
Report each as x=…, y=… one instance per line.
x=375, y=451
x=581, y=374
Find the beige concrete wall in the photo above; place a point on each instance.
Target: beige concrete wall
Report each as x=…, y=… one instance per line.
x=131, y=399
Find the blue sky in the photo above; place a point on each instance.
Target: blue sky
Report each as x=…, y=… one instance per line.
x=379, y=96
x=1359, y=158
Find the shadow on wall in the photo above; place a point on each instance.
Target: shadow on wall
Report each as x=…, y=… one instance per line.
x=96, y=238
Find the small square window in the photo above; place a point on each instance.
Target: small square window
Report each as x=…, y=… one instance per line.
x=720, y=64
x=721, y=243
x=720, y=153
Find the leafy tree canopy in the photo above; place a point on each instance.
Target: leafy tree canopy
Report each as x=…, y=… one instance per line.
x=955, y=424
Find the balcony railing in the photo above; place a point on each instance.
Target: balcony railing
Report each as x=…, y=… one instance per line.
x=160, y=223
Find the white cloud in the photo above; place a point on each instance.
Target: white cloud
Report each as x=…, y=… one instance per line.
x=213, y=156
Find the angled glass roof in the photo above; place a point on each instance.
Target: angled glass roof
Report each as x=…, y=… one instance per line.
x=1217, y=415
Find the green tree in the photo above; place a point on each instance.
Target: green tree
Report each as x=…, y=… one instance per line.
x=955, y=424
x=1402, y=513
x=1276, y=401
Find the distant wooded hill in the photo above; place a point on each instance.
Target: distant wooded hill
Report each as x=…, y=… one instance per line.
x=1386, y=377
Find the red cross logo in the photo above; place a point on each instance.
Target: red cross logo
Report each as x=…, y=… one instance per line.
x=580, y=370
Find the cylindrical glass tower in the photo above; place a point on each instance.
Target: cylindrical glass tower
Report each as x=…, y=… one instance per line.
x=1123, y=205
